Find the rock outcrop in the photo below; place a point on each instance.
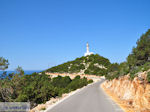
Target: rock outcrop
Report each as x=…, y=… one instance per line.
x=135, y=93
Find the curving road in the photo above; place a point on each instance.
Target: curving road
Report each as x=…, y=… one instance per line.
x=89, y=99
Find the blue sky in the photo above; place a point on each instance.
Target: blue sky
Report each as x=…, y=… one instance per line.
x=37, y=34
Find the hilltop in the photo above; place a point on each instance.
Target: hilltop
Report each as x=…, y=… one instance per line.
x=91, y=64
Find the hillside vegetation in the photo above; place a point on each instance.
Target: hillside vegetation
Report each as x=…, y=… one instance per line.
x=92, y=64
x=137, y=61
x=129, y=82
x=36, y=88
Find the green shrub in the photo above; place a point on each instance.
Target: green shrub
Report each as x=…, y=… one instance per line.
x=43, y=108
x=77, y=77
x=38, y=88
x=90, y=81
x=146, y=66
x=132, y=75
x=134, y=72
x=148, y=77
x=141, y=52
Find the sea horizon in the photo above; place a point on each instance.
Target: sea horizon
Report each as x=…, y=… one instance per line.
x=25, y=71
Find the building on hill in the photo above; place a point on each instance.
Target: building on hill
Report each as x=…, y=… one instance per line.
x=87, y=50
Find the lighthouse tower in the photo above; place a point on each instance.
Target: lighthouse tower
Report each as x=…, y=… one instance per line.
x=87, y=50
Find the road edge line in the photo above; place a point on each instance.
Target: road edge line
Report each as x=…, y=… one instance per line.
x=65, y=98
x=104, y=90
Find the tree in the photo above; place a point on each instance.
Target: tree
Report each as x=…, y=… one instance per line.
x=3, y=66
x=3, y=63
x=113, y=67
x=141, y=53
x=20, y=71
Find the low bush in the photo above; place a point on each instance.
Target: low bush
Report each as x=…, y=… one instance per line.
x=81, y=63
x=148, y=77
x=38, y=88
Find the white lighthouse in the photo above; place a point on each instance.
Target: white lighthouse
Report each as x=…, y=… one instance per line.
x=87, y=50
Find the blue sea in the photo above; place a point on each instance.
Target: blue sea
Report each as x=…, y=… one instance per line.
x=27, y=72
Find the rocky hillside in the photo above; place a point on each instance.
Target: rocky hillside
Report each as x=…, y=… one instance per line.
x=92, y=64
x=129, y=81
x=135, y=94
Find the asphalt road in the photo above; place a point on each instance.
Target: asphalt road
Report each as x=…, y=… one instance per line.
x=90, y=99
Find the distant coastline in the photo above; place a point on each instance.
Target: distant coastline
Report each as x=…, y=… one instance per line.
x=27, y=72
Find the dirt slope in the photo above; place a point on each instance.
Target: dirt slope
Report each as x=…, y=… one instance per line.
x=134, y=94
